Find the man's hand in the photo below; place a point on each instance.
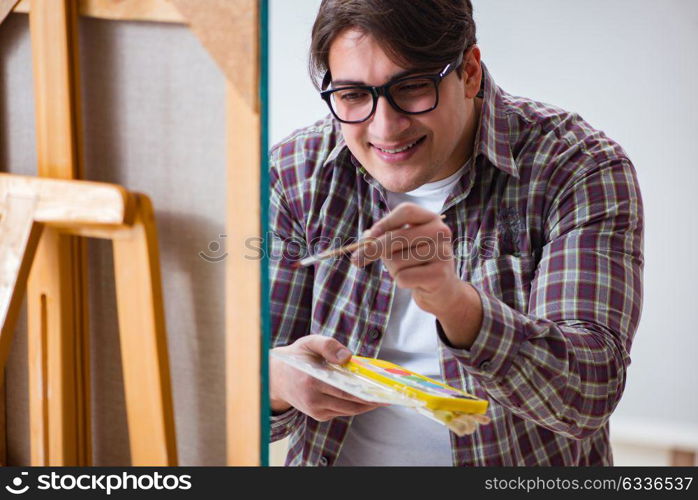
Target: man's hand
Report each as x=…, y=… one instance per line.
x=290, y=387
x=415, y=246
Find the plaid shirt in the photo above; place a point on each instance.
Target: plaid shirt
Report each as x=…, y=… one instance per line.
x=547, y=226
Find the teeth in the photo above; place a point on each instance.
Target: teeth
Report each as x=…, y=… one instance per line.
x=398, y=150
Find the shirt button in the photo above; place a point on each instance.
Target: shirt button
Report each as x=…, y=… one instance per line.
x=323, y=461
x=374, y=334
x=484, y=365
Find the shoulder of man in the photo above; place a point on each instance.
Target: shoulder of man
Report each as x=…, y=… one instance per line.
x=547, y=136
x=305, y=167
x=306, y=150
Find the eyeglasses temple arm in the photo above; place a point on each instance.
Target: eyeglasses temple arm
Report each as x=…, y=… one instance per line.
x=326, y=80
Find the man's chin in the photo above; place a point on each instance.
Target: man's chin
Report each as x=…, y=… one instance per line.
x=398, y=178
x=399, y=185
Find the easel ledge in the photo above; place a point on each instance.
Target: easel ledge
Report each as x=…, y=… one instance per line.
x=30, y=206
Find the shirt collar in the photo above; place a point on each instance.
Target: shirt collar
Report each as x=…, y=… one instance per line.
x=494, y=136
x=340, y=145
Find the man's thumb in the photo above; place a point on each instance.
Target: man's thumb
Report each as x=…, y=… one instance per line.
x=342, y=355
x=329, y=348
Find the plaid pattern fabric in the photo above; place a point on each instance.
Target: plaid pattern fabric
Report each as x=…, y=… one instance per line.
x=547, y=226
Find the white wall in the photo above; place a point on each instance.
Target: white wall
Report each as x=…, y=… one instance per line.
x=294, y=103
x=630, y=68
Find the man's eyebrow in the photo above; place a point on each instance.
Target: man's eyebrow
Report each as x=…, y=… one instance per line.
x=396, y=76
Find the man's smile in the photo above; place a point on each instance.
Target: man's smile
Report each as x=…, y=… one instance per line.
x=397, y=152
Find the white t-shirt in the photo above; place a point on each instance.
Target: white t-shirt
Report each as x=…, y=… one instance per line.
x=396, y=435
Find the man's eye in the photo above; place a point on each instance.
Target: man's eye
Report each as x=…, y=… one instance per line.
x=414, y=87
x=353, y=96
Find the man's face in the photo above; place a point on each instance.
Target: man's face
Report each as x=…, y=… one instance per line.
x=440, y=141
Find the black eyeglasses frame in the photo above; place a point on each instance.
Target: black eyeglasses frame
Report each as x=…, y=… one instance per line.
x=382, y=90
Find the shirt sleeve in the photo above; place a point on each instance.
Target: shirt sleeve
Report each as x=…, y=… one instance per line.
x=290, y=289
x=563, y=363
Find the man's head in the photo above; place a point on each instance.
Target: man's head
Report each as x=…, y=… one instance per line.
x=374, y=42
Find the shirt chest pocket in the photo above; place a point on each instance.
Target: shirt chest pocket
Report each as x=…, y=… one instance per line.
x=506, y=277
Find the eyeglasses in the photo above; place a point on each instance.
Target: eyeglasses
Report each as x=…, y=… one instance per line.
x=412, y=95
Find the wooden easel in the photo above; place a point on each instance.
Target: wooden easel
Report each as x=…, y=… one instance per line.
x=230, y=31
x=30, y=205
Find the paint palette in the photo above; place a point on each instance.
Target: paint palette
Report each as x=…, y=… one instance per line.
x=433, y=394
x=379, y=381
x=342, y=378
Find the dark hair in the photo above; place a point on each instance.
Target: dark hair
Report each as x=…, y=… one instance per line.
x=418, y=33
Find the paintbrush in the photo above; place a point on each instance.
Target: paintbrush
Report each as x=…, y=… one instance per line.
x=328, y=254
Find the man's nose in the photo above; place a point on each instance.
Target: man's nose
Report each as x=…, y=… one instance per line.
x=387, y=122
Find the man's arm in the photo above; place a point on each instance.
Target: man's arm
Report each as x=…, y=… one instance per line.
x=563, y=363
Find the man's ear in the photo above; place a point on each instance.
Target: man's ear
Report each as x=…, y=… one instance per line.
x=472, y=71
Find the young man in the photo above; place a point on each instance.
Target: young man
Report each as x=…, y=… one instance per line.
x=528, y=292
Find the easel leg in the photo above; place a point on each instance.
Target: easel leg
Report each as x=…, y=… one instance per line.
x=56, y=302
x=144, y=343
x=55, y=321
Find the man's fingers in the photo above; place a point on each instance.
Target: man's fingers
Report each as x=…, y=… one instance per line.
x=426, y=228
x=327, y=347
x=344, y=407
x=406, y=243
x=425, y=277
x=404, y=213
x=323, y=406
x=329, y=415
x=340, y=394
x=316, y=398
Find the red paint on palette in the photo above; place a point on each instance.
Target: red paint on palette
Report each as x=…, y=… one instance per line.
x=397, y=371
